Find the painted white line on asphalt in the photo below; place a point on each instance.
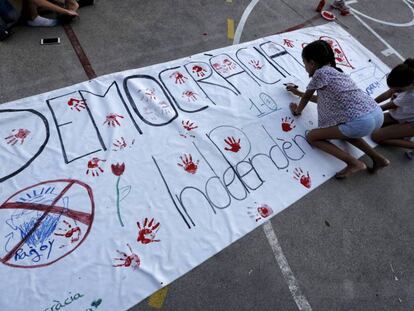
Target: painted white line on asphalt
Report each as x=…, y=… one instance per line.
x=408, y=24
x=243, y=19
x=300, y=299
x=390, y=48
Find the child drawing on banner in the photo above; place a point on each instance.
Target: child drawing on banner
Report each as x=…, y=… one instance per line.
x=399, y=115
x=345, y=112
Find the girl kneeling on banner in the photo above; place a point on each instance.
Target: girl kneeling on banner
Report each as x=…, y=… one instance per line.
x=345, y=112
x=399, y=120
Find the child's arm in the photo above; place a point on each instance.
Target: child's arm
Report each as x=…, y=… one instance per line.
x=384, y=96
x=297, y=109
x=388, y=106
x=295, y=91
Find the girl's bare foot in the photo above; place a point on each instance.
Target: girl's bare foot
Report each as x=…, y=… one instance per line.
x=350, y=170
x=378, y=164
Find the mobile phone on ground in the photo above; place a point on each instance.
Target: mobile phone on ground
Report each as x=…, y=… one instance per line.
x=46, y=41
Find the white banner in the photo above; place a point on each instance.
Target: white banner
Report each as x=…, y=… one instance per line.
x=112, y=188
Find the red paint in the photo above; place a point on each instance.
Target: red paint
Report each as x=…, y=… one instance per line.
x=121, y=144
x=179, y=77
x=188, y=164
x=188, y=125
x=256, y=64
x=132, y=260
x=340, y=56
x=329, y=16
x=151, y=94
x=17, y=135
x=69, y=232
x=200, y=71
x=77, y=104
x=320, y=6
x=148, y=231
x=288, y=43
x=265, y=210
x=234, y=145
x=112, y=120
x=190, y=95
x=93, y=166
x=305, y=180
x=52, y=208
x=287, y=124
x=118, y=169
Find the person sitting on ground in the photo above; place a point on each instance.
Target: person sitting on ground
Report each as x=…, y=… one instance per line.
x=345, y=112
x=399, y=115
x=33, y=8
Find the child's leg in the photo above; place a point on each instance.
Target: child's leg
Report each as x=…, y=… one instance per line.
x=318, y=138
x=378, y=161
x=393, y=135
x=388, y=120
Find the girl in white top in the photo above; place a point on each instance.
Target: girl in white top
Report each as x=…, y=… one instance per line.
x=399, y=115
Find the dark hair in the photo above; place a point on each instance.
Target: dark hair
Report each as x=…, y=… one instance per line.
x=321, y=53
x=402, y=75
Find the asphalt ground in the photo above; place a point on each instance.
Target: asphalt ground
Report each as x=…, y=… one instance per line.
x=348, y=245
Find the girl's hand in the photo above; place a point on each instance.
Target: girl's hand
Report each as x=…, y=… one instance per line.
x=293, y=88
x=294, y=109
x=71, y=13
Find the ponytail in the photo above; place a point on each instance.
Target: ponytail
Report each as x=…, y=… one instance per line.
x=321, y=53
x=402, y=75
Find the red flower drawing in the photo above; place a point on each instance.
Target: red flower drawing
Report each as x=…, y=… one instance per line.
x=118, y=169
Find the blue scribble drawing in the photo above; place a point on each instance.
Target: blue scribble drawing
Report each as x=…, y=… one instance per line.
x=24, y=220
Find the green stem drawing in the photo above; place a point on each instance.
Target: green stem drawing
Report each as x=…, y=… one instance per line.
x=117, y=201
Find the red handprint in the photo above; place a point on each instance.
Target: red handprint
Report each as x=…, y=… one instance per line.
x=188, y=164
x=287, y=124
x=179, y=77
x=93, y=167
x=17, y=135
x=121, y=144
x=132, y=260
x=151, y=94
x=73, y=233
x=234, y=145
x=217, y=66
x=77, y=104
x=255, y=64
x=188, y=125
x=190, y=95
x=147, y=233
x=305, y=180
x=229, y=64
x=288, y=43
x=200, y=71
x=265, y=210
x=111, y=120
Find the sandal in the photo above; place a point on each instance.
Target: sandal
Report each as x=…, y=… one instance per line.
x=342, y=7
